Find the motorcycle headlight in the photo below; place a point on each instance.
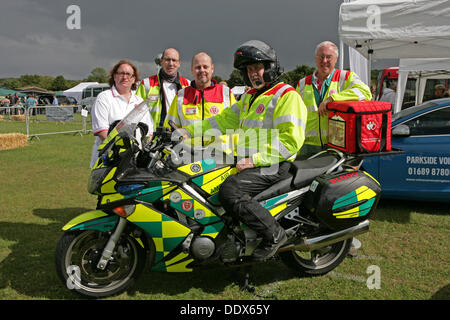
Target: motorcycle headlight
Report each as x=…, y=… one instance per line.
x=96, y=178
x=130, y=188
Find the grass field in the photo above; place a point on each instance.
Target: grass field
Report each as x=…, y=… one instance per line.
x=43, y=185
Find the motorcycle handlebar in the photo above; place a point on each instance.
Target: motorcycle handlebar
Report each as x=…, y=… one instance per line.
x=173, y=125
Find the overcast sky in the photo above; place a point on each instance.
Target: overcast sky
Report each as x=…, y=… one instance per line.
x=35, y=39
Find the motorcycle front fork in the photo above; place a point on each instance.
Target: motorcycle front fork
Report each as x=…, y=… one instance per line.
x=111, y=244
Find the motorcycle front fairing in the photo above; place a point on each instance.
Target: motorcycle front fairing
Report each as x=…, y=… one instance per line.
x=101, y=178
x=131, y=197
x=92, y=220
x=166, y=233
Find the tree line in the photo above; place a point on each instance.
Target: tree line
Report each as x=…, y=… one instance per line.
x=58, y=83
x=100, y=75
x=291, y=77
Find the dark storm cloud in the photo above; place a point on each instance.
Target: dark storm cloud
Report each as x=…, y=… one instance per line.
x=35, y=40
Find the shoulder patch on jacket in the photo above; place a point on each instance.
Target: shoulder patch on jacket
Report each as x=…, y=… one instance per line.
x=154, y=81
x=275, y=89
x=336, y=75
x=184, y=82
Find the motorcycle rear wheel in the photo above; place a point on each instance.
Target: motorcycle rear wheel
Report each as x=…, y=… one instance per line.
x=317, y=262
x=78, y=253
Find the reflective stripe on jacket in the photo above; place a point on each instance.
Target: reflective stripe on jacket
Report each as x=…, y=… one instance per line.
x=151, y=88
x=344, y=86
x=271, y=127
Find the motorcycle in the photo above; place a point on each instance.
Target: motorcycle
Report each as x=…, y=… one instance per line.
x=153, y=207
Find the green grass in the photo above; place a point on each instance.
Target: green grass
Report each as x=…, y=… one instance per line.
x=44, y=186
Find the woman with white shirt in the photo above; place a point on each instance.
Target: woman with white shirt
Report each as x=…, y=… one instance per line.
x=114, y=104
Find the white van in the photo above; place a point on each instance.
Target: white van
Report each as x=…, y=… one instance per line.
x=90, y=93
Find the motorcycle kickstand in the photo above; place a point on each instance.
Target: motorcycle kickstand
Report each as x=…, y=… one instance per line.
x=246, y=286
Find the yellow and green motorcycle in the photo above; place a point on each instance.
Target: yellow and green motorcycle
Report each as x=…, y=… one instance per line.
x=158, y=203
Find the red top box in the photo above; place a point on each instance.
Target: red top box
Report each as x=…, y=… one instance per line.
x=360, y=126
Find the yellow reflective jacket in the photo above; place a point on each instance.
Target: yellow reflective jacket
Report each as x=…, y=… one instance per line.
x=341, y=85
x=270, y=126
x=191, y=104
x=151, y=88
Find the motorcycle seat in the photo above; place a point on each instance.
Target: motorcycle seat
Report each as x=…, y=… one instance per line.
x=307, y=170
x=278, y=188
x=302, y=173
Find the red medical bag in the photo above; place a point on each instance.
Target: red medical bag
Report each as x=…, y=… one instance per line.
x=359, y=126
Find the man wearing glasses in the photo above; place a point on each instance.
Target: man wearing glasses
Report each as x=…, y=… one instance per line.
x=163, y=87
x=326, y=84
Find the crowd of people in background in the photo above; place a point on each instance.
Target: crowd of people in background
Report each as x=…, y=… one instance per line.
x=14, y=102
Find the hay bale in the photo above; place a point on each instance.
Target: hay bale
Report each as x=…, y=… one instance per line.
x=18, y=117
x=12, y=140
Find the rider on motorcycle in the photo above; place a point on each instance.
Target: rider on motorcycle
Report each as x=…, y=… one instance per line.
x=271, y=117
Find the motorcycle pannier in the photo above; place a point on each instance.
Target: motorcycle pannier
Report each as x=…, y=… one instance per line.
x=342, y=200
x=359, y=126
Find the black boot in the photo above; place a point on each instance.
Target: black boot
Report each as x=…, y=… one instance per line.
x=259, y=219
x=268, y=248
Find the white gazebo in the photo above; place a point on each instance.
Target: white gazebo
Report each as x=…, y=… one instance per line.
x=77, y=91
x=415, y=31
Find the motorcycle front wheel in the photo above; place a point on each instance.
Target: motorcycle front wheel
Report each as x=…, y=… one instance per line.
x=78, y=253
x=317, y=262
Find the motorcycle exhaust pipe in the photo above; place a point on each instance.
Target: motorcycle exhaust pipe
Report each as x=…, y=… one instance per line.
x=310, y=244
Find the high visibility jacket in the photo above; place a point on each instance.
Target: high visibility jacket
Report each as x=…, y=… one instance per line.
x=271, y=126
x=151, y=88
x=191, y=104
x=341, y=85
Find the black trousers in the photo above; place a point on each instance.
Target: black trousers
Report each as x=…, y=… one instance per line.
x=237, y=192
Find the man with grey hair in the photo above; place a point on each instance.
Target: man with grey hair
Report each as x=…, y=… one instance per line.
x=326, y=84
x=330, y=44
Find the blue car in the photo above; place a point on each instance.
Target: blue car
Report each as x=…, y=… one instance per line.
x=422, y=172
